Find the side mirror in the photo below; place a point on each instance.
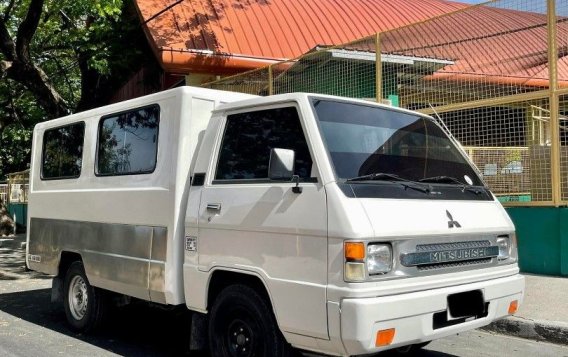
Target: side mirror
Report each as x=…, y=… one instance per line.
x=281, y=165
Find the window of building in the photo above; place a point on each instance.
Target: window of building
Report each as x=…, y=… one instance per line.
x=249, y=137
x=62, y=154
x=128, y=142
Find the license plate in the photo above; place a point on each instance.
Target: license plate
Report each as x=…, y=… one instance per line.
x=466, y=304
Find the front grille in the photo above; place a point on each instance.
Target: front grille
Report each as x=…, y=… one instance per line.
x=428, y=257
x=430, y=267
x=454, y=245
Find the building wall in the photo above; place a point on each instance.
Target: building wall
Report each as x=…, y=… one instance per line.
x=19, y=211
x=542, y=235
x=148, y=80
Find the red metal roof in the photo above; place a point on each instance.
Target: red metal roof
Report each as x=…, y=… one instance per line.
x=234, y=35
x=489, y=44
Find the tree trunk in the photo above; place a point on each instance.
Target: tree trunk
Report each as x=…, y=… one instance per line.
x=18, y=64
x=37, y=82
x=6, y=223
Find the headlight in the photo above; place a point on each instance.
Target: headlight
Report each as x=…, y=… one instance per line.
x=379, y=258
x=504, y=244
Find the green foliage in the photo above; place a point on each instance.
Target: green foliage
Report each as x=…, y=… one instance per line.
x=15, y=149
x=65, y=27
x=78, y=44
x=83, y=25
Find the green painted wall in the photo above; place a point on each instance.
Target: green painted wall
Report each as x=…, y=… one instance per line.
x=21, y=212
x=542, y=235
x=344, y=78
x=331, y=78
x=564, y=241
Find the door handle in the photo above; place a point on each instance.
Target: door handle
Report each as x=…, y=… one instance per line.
x=213, y=206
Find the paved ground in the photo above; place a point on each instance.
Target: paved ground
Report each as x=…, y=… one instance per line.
x=12, y=259
x=30, y=325
x=545, y=292
x=543, y=315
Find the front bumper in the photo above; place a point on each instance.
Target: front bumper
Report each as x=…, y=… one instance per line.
x=412, y=314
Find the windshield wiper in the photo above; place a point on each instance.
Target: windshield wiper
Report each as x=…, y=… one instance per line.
x=441, y=179
x=449, y=179
x=381, y=176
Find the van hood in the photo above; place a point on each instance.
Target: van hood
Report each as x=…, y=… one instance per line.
x=402, y=218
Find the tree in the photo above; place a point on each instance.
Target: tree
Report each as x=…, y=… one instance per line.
x=59, y=57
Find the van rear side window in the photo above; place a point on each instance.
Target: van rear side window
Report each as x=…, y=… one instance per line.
x=62, y=153
x=128, y=142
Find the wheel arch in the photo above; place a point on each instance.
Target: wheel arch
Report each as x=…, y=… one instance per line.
x=66, y=258
x=250, y=289
x=222, y=278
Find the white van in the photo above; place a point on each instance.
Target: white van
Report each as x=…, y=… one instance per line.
x=328, y=224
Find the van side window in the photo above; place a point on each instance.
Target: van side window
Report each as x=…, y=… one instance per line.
x=128, y=142
x=249, y=137
x=62, y=153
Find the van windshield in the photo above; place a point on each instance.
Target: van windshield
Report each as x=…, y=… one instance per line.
x=365, y=141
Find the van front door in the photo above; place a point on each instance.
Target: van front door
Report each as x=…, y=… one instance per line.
x=252, y=224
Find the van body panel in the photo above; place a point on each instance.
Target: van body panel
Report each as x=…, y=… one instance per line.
x=264, y=228
x=396, y=219
x=411, y=314
x=155, y=199
x=125, y=257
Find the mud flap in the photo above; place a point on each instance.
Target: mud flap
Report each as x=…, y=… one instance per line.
x=57, y=289
x=198, y=337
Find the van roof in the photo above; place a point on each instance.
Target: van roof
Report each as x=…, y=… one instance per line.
x=301, y=96
x=145, y=100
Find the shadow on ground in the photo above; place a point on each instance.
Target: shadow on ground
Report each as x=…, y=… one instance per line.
x=12, y=262
x=135, y=330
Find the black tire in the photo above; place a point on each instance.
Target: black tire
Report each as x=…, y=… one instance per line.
x=84, y=305
x=242, y=324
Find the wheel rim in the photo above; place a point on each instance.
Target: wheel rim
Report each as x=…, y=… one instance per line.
x=240, y=332
x=240, y=336
x=78, y=297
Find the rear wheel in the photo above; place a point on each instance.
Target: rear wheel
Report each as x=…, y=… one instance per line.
x=241, y=324
x=84, y=304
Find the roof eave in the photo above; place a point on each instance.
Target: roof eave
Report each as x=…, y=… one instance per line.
x=207, y=61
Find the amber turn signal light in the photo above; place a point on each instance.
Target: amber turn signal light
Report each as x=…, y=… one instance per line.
x=354, y=251
x=384, y=337
x=513, y=307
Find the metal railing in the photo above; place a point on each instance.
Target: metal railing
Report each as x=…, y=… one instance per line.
x=495, y=73
x=3, y=193
x=18, y=187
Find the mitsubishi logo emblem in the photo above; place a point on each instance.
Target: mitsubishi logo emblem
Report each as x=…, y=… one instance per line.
x=451, y=222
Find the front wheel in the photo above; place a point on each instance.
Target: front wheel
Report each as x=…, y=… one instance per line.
x=241, y=324
x=84, y=304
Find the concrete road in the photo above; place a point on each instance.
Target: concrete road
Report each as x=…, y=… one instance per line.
x=31, y=326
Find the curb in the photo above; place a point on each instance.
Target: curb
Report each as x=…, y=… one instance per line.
x=10, y=242
x=539, y=330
